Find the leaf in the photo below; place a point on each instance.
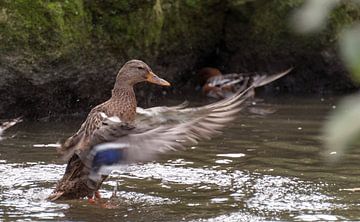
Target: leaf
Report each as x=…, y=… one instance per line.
x=350, y=50
x=343, y=126
x=312, y=15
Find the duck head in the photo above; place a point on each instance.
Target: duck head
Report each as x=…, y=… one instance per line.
x=206, y=73
x=136, y=71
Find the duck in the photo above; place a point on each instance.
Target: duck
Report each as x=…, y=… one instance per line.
x=7, y=124
x=122, y=103
x=216, y=85
x=117, y=132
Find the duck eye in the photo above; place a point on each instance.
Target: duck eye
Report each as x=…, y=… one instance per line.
x=140, y=68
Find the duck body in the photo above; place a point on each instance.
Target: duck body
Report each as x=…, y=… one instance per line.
x=75, y=183
x=219, y=86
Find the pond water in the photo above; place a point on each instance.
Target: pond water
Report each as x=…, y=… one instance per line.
x=263, y=168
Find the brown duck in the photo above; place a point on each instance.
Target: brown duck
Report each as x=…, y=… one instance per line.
x=217, y=85
x=117, y=132
x=122, y=104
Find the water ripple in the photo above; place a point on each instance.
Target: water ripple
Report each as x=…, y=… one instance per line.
x=260, y=169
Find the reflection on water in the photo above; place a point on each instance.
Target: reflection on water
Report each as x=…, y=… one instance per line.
x=266, y=166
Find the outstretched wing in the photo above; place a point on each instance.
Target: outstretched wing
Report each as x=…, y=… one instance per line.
x=262, y=79
x=159, y=130
x=218, y=111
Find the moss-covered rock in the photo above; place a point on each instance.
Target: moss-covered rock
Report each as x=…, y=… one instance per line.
x=61, y=56
x=35, y=28
x=260, y=36
x=66, y=53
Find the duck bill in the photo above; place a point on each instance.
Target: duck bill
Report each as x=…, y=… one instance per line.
x=151, y=77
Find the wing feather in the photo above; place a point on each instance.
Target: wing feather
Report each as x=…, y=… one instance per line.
x=170, y=128
x=79, y=142
x=6, y=125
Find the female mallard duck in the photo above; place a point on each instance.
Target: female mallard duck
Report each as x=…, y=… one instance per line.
x=117, y=132
x=219, y=86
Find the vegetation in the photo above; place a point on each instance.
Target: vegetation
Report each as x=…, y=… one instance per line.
x=51, y=47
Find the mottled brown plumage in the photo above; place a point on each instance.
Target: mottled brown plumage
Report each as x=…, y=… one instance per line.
x=75, y=183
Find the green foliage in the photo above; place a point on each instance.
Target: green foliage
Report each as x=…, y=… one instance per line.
x=153, y=27
x=58, y=28
x=343, y=127
x=78, y=42
x=270, y=27
x=350, y=49
x=270, y=20
x=38, y=31
x=47, y=28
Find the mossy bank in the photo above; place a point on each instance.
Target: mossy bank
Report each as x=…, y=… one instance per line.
x=61, y=57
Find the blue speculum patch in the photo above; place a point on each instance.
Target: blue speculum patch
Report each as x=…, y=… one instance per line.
x=107, y=157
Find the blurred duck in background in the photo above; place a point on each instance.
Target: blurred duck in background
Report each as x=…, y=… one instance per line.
x=217, y=85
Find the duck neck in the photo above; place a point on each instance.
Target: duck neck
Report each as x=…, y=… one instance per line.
x=123, y=101
x=123, y=92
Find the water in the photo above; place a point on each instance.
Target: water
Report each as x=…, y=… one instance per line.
x=263, y=168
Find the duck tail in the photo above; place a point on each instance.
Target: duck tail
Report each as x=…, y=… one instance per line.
x=75, y=182
x=262, y=80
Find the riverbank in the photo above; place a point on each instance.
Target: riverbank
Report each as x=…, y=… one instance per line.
x=63, y=56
